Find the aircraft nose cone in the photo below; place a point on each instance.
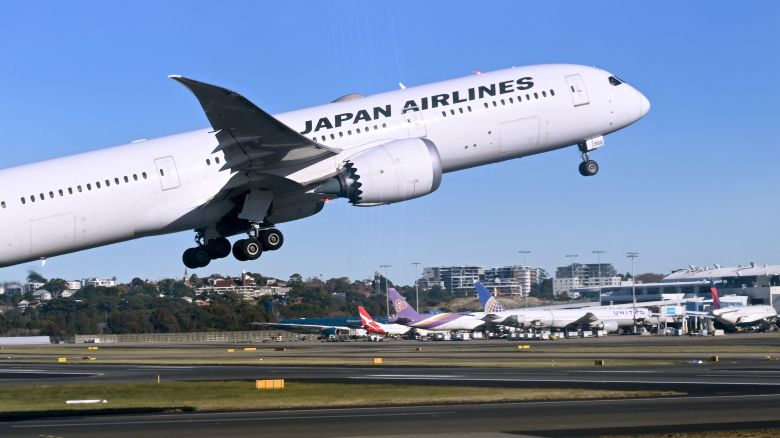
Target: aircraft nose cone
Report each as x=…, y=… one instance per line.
x=644, y=105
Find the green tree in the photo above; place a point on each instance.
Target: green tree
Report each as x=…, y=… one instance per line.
x=34, y=277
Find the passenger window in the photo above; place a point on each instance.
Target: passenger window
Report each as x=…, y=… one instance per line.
x=452, y=111
x=486, y=104
x=89, y=187
x=61, y=192
x=42, y=197
x=116, y=181
x=2, y=204
x=70, y=190
x=32, y=198
x=444, y=113
x=536, y=95
x=358, y=131
x=216, y=160
x=494, y=104
x=97, y=184
x=375, y=127
x=208, y=162
x=78, y=188
x=332, y=136
x=323, y=138
x=135, y=177
x=544, y=93
x=341, y=134
x=552, y=92
x=23, y=201
x=461, y=110
x=108, y=183
x=384, y=125
x=51, y=195
x=162, y=172
x=349, y=132
x=527, y=97
x=469, y=108
x=127, y=180
x=511, y=100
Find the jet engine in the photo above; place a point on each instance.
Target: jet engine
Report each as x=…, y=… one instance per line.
x=392, y=172
x=610, y=326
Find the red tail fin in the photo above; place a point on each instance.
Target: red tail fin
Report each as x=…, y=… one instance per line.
x=715, y=297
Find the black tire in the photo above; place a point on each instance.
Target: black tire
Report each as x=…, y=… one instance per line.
x=252, y=248
x=219, y=248
x=238, y=251
x=189, y=259
x=195, y=258
x=271, y=239
x=589, y=168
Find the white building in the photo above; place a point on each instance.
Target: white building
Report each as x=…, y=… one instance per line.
x=99, y=282
x=42, y=295
x=74, y=285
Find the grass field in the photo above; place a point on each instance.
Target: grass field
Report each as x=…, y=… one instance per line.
x=242, y=395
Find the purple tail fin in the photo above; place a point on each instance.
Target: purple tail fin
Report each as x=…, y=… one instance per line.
x=403, y=311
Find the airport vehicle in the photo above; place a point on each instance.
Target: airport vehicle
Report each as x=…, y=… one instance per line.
x=740, y=318
x=251, y=171
x=446, y=321
x=376, y=327
x=609, y=318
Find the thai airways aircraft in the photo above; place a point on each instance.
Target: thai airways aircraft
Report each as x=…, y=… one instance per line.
x=251, y=170
x=608, y=318
x=372, y=326
x=406, y=315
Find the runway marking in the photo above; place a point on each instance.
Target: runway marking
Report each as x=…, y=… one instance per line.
x=299, y=417
x=670, y=382
x=415, y=376
x=160, y=367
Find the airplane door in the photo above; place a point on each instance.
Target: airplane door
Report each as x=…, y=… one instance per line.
x=579, y=95
x=169, y=176
x=415, y=124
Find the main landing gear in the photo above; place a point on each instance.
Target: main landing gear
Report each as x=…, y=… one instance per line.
x=589, y=167
x=251, y=248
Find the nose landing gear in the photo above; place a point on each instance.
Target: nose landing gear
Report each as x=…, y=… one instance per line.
x=589, y=167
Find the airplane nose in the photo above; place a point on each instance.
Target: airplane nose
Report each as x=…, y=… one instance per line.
x=644, y=105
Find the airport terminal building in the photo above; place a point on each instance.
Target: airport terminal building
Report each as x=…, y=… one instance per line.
x=759, y=284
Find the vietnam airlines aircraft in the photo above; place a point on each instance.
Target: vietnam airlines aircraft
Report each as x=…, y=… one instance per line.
x=251, y=170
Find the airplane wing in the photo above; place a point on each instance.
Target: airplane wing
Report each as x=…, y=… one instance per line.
x=306, y=328
x=250, y=138
x=587, y=319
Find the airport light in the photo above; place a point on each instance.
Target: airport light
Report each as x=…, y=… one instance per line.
x=572, y=257
x=632, y=256
x=598, y=253
x=387, y=293
x=525, y=266
x=416, y=285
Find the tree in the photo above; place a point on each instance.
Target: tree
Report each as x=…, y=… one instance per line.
x=34, y=277
x=56, y=286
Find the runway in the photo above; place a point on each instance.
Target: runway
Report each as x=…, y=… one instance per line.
x=742, y=391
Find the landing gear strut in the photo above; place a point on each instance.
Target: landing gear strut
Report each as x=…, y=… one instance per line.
x=251, y=248
x=589, y=167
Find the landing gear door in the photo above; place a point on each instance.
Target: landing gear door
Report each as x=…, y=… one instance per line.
x=579, y=95
x=166, y=169
x=414, y=124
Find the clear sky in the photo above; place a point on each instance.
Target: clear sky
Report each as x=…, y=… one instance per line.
x=694, y=182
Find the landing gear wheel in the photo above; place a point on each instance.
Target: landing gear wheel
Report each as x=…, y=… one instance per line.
x=247, y=249
x=218, y=248
x=589, y=168
x=195, y=258
x=271, y=239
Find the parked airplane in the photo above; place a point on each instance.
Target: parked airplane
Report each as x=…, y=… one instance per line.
x=406, y=315
x=376, y=327
x=337, y=326
x=608, y=318
x=251, y=171
x=755, y=317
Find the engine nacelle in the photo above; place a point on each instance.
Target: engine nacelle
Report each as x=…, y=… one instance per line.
x=395, y=171
x=610, y=326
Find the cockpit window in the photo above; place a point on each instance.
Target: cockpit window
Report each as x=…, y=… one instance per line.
x=615, y=81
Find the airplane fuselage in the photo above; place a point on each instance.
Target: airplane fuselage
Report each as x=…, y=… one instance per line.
x=178, y=182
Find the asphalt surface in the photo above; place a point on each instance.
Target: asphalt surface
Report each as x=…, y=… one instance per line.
x=740, y=392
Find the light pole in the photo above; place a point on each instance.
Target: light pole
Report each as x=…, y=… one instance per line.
x=387, y=293
x=528, y=271
x=632, y=256
x=572, y=257
x=598, y=253
x=416, y=286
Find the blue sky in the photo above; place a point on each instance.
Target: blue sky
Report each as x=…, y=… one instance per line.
x=694, y=182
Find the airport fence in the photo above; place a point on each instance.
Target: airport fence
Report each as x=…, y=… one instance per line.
x=185, y=338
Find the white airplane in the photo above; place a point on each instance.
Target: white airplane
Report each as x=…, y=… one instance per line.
x=608, y=318
x=754, y=317
x=251, y=170
x=370, y=325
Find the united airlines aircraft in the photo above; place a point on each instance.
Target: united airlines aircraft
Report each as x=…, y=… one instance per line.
x=251, y=171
